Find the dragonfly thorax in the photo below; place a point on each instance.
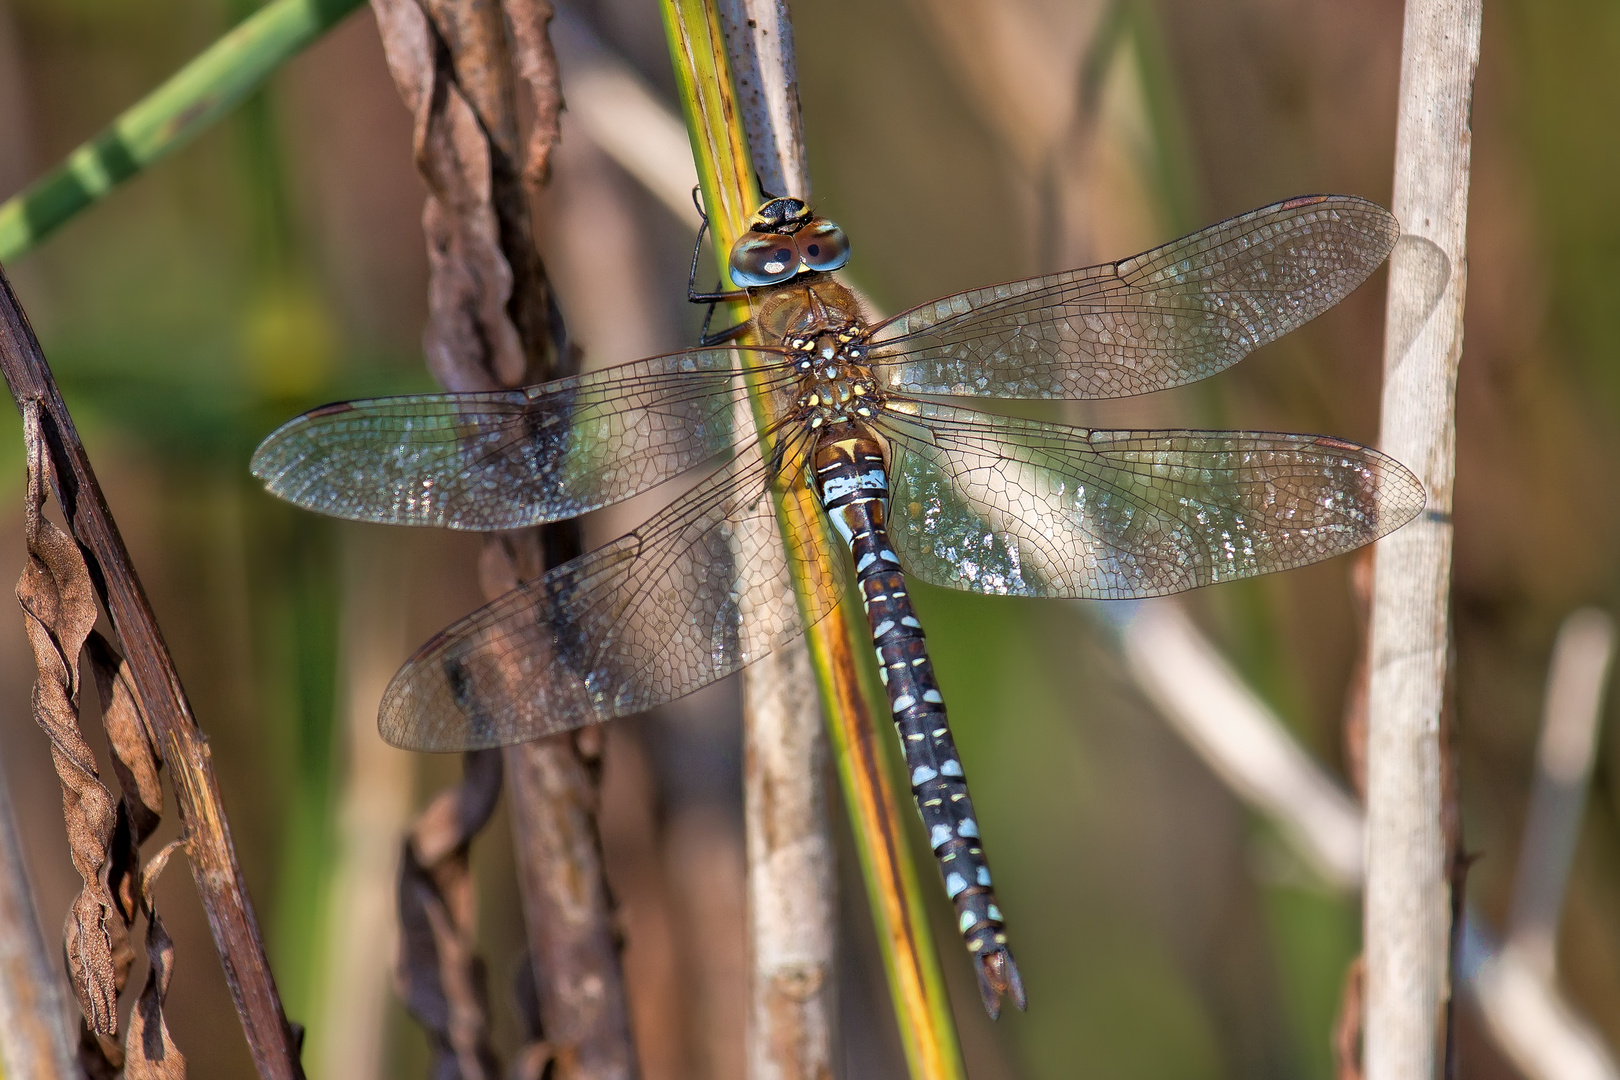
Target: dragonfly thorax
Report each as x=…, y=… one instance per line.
x=835, y=385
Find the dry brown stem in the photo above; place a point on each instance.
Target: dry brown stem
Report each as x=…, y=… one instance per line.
x=555, y=783
x=169, y=724
x=460, y=66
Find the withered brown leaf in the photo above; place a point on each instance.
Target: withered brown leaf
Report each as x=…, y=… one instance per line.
x=59, y=609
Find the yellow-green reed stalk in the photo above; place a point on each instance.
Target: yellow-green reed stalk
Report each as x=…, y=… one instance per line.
x=167, y=118
x=730, y=191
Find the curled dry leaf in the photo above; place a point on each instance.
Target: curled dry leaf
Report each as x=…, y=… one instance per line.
x=59, y=609
x=490, y=308
x=149, y=1051
x=477, y=58
x=58, y=600
x=59, y=605
x=536, y=64
x=441, y=980
x=136, y=763
x=100, y=1056
x=129, y=736
x=470, y=280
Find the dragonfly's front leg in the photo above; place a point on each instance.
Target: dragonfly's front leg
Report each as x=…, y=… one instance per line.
x=853, y=487
x=706, y=339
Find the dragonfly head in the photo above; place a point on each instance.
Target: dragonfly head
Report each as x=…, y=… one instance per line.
x=784, y=239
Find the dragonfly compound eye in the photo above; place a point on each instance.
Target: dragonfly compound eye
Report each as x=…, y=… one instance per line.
x=763, y=259
x=822, y=245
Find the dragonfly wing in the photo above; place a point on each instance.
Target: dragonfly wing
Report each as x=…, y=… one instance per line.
x=1169, y=316
x=995, y=505
x=506, y=460
x=696, y=593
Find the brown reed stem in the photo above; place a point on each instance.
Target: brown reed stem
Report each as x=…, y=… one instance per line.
x=461, y=66
x=181, y=742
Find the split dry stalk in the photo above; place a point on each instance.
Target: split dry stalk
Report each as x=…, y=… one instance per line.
x=791, y=905
x=1408, y=900
x=731, y=194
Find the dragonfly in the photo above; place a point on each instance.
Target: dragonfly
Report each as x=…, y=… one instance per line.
x=913, y=486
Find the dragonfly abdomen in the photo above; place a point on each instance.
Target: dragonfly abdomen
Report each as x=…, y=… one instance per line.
x=851, y=481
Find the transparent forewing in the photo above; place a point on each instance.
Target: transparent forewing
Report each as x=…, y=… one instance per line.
x=1169, y=316
x=995, y=505
x=505, y=460
x=696, y=593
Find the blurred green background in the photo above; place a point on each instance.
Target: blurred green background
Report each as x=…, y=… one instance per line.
x=1163, y=931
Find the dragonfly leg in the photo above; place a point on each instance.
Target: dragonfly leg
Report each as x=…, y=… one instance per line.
x=706, y=339
x=717, y=295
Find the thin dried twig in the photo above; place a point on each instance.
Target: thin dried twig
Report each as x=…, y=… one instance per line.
x=162, y=702
x=493, y=322
x=1408, y=894
x=1209, y=706
x=1513, y=984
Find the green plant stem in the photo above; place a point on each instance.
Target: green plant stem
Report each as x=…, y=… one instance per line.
x=167, y=118
x=916, y=985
